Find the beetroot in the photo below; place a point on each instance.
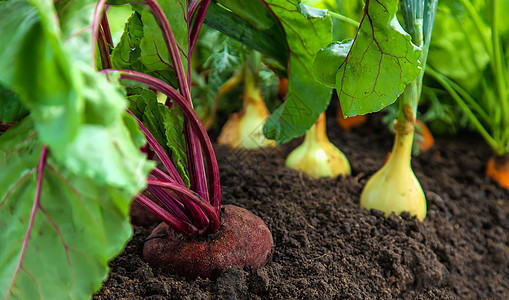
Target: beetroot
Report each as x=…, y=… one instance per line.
x=193, y=240
x=242, y=240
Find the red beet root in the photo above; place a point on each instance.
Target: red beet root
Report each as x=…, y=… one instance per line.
x=242, y=240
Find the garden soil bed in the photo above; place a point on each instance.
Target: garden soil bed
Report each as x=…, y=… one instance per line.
x=327, y=247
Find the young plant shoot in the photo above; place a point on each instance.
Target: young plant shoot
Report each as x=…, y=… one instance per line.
x=369, y=73
x=245, y=128
x=317, y=156
x=476, y=75
x=190, y=190
x=394, y=188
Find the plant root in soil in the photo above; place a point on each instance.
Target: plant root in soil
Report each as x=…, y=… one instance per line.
x=243, y=240
x=497, y=169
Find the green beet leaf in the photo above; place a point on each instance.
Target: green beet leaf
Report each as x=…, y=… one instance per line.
x=142, y=47
x=325, y=66
x=126, y=54
x=270, y=41
x=73, y=107
x=11, y=110
x=374, y=68
x=174, y=133
x=307, y=31
x=73, y=18
x=154, y=54
x=253, y=12
x=94, y=167
x=167, y=126
x=304, y=32
x=105, y=148
x=35, y=67
x=79, y=226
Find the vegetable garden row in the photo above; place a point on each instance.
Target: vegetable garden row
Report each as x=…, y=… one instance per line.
x=103, y=102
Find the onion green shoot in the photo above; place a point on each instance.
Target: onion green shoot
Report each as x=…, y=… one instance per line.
x=485, y=103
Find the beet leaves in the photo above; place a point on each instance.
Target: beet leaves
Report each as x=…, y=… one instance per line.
x=69, y=169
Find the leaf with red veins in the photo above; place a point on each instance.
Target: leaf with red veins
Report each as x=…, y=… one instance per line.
x=307, y=31
x=154, y=54
x=373, y=70
x=55, y=245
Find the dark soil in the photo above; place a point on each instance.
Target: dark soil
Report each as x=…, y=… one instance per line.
x=327, y=247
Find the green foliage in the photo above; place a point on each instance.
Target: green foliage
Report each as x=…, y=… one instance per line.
x=224, y=58
x=220, y=55
x=266, y=37
x=456, y=50
x=323, y=4
x=441, y=114
x=34, y=45
x=216, y=59
x=474, y=39
x=80, y=224
x=126, y=54
x=436, y=109
x=374, y=68
x=12, y=110
x=307, y=31
x=166, y=125
x=154, y=54
x=142, y=47
x=94, y=165
x=325, y=66
x=352, y=9
x=117, y=17
x=252, y=12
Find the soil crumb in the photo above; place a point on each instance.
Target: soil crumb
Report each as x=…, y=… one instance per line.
x=327, y=247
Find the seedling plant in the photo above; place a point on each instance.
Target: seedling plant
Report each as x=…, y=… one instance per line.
x=369, y=72
x=477, y=79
